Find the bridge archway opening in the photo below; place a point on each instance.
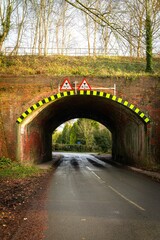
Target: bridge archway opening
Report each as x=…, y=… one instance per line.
x=82, y=135
x=126, y=123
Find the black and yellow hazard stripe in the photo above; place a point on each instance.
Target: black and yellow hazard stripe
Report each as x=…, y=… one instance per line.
x=83, y=92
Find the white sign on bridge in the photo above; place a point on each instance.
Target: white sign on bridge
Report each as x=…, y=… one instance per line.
x=66, y=85
x=84, y=85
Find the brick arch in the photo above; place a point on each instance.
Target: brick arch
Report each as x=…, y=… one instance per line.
x=53, y=98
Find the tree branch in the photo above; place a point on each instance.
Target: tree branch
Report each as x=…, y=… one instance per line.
x=100, y=18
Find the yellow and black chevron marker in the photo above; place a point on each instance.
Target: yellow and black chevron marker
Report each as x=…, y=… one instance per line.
x=82, y=92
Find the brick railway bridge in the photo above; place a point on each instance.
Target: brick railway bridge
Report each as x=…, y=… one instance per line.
x=31, y=109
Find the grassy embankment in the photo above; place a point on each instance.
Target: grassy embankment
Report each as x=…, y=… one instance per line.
x=76, y=66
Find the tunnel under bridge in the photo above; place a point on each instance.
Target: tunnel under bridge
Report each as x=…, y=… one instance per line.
x=126, y=122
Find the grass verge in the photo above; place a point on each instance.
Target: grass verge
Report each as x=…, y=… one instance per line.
x=10, y=169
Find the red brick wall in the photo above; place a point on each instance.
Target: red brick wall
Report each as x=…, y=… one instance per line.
x=17, y=94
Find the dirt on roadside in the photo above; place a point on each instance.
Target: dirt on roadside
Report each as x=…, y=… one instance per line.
x=22, y=207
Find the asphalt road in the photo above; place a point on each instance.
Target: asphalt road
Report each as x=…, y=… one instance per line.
x=92, y=200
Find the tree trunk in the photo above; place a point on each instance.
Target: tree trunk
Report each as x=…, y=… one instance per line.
x=130, y=38
x=88, y=34
x=57, y=37
x=95, y=39
x=40, y=28
x=139, y=41
x=20, y=26
x=95, y=31
x=149, y=39
x=6, y=24
x=35, y=38
x=63, y=26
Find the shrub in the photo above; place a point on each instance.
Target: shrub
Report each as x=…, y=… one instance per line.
x=5, y=162
x=12, y=169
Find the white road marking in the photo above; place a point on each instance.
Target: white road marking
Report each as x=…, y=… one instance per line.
x=93, y=172
x=114, y=190
x=95, y=175
x=101, y=180
x=83, y=220
x=127, y=199
x=89, y=168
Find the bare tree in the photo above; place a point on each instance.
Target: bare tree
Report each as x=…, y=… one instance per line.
x=36, y=7
x=42, y=10
x=111, y=24
x=106, y=33
x=88, y=32
x=47, y=19
x=136, y=14
x=6, y=9
x=21, y=13
x=124, y=30
x=63, y=25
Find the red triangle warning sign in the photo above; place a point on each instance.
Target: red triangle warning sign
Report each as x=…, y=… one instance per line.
x=66, y=85
x=84, y=85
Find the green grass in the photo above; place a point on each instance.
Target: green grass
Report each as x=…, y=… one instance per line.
x=10, y=169
x=76, y=66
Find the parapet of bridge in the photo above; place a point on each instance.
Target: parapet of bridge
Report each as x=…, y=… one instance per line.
x=31, y=109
